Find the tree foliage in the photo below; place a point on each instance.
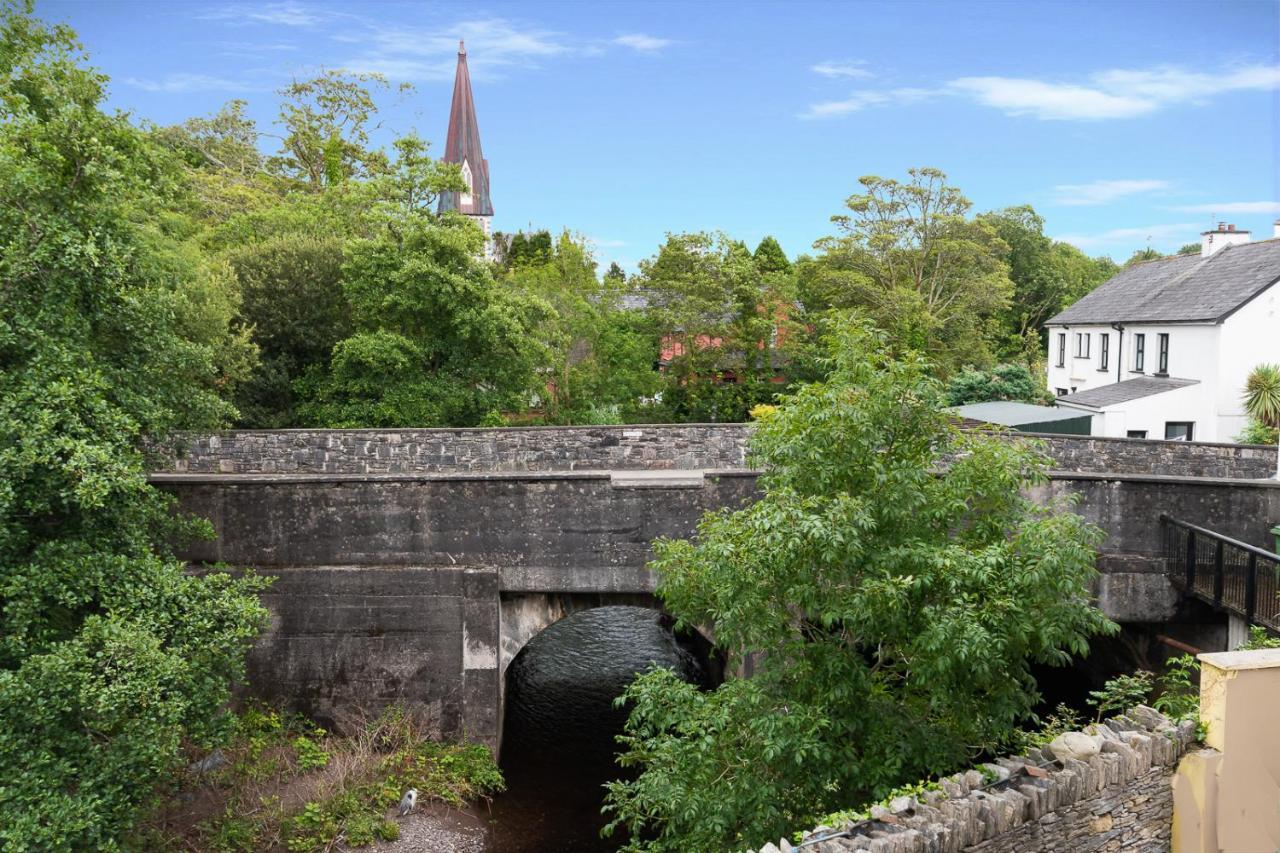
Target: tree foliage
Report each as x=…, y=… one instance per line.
x=901, y=610
x=110, y=655
x=1002, y=382
x=908, y=256
x=598, y=356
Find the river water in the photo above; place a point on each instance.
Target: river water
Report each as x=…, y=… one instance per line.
x=558, y=747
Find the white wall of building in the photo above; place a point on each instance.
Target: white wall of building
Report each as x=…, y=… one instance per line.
x=1250, y=336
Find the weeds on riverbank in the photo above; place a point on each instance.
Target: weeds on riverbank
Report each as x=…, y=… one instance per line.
x=282, y=783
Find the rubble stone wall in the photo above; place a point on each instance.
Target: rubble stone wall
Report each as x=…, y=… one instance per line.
x=602, y=448
x=1118, y=798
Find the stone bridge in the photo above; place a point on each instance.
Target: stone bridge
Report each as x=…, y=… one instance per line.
x=412, y=565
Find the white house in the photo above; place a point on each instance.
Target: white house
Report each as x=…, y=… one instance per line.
x=1163, y=348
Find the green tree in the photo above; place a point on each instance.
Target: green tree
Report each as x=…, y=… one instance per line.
x=1142, y=255
x=900, y=609
x=769, y=257
x=1047, y=276
x=325, y=121
x=1189, y=249
x=719, y=320
x=1262, y=397
x=598, y=360
x=1002, y=382
x=111, y=657
x=910, y=259
x=294, y=303
x=437, y=342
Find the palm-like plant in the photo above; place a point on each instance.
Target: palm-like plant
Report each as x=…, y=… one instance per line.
x=1262, y=397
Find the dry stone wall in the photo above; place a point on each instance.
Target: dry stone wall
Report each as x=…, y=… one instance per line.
x=588, y=448
x=1118, y=798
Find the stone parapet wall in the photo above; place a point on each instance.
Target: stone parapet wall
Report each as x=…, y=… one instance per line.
x=1117, y=799
x=587, y=448
x=426, y=451
x=1171, y=458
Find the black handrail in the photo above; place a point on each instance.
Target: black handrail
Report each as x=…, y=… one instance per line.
x=1228, y=578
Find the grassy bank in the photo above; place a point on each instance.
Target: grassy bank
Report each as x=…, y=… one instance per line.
x=279, y=782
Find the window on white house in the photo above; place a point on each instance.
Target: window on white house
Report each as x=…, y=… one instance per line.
x=1178, y=430
x=1104, y=351
x=1061, y=392
x=1062, y=349
x=1082, y=344
x=1164, y=353
x=1139, y=352
x=1136, y=433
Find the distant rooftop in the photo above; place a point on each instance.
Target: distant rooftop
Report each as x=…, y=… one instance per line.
x=1006, y=413
x=1123, y=392
x=1180, y=289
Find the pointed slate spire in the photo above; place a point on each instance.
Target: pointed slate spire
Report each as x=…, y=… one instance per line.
x=462, y=146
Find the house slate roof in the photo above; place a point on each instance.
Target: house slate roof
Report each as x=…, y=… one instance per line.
x=1180, y=289
x=1006, y=413
x=1123, y=392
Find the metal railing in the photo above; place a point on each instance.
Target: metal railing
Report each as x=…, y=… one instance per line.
x=1227, y=573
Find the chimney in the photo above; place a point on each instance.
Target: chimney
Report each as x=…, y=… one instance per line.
x=1276, y=227
x=1225, y=235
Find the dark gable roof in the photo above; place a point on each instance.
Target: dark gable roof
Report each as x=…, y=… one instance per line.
x=1123, y=392
x=1181, y=289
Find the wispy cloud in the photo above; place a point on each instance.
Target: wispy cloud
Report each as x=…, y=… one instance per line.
x=1116, y=93
x=1017, y=96
x=286, y=14
x=1261, y=208
x=1104, y=192
x=643, y=43
x=606, y=243
x=862, y=99
x=493, y=44
x=1110, y=94
x=846, y=68
x=181, y=82
x=1178, y=232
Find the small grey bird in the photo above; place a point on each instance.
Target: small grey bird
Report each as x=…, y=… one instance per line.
x=406, y=802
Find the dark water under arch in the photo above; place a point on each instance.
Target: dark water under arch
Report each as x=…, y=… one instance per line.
x=558, y=748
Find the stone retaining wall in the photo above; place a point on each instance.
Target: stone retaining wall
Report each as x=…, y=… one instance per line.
x=1118, y=799
x=675, y=446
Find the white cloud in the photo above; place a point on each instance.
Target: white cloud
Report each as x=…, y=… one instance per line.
x=1180, y=232
x=842, y=69
x=643, y=43
x=286, y=14
x=1104, y=192
x=606, y=243
x=1049, y=100
x=1116, y=93
x=429, y=54
x=1261, y=208
x=182, y=82
x=1112, y=94
x=862, y=99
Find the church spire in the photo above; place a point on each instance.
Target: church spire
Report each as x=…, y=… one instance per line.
x=462, y=146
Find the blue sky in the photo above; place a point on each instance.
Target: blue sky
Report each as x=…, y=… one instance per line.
x=1124, y=124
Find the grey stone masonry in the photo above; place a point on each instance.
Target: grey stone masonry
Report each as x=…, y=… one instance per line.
x=595, y=448
x=1118, y=798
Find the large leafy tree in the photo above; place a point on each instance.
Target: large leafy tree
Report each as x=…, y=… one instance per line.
x=436, y=342
x=719, y=317
x=900, y=603
x=600, y=363
x=1002, y=382
x=1047, y=276
x=910, y=258
x=110, y=655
